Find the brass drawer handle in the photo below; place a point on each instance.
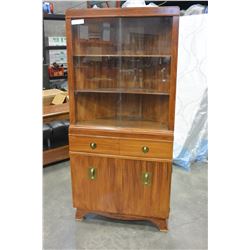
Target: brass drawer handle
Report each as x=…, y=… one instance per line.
x=146, y=178
x=92, y=173
x=145, y=149
x=93, y=145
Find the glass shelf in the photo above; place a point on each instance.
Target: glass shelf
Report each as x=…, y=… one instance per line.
x=121, y=55
x=122, y=91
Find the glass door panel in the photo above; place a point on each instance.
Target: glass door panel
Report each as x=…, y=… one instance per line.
x=123, y=36
x=146, y=36
x=122, y=71
x=96, y=37
x=141, y=74
x=122, y=110
x=95, y=72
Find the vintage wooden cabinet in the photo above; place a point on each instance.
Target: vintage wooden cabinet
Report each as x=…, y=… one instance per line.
x=122, y=80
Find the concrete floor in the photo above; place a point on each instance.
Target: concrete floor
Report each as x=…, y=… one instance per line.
x=187, y=224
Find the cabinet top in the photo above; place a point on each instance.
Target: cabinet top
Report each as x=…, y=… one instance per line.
x=123, y=12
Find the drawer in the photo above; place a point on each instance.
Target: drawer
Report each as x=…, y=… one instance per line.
x=146, y=148
x=92, y=144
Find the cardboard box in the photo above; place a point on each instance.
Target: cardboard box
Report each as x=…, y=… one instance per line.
x=60, y=98
x=49, y=95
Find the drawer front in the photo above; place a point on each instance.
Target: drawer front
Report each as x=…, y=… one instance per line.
x=101, y=145
x=144, y=148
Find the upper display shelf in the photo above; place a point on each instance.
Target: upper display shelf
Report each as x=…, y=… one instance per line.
x=130, y=36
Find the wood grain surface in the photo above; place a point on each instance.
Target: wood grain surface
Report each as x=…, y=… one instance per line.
x=121, y=146
x=161, y=224
x=104, y=145
x=119, y=188
x=157, y=149
x=122, y=12
x=122, y=98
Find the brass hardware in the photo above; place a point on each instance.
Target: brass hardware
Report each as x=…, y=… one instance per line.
x=93, y=145
x=92, y=173
x=145, y=149
x=146, y=178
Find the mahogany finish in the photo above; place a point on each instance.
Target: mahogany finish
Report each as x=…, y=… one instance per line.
x=122, y=81
x=115, y=185
x=135, y=148
x=124, y=132
x=120, y=146
x=122, y=12
x=124, y=157
x=104, y=145
x=160, y=223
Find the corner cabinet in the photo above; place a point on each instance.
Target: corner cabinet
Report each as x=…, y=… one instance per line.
x=122, y=80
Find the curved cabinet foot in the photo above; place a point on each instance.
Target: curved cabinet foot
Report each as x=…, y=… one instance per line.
x=80, y=213
x=162, y=224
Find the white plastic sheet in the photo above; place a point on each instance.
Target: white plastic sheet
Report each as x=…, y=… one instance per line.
x=190, y=142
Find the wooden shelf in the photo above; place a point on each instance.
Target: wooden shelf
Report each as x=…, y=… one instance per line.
x=122, y=91
x=114, y=55
x=116, y=123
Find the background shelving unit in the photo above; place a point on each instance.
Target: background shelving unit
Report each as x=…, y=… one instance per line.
x=46, y=48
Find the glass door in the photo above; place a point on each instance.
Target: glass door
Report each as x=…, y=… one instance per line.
x=122, y=71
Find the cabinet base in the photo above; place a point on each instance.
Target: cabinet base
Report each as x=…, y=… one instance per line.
x=161, y=224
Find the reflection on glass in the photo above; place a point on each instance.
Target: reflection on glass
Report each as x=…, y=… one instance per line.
x=122, y=71
x=144, y=111
x=123, y=36
x=127, y=72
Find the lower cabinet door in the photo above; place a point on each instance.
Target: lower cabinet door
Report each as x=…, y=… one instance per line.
x=145, y=188
x=128, y=187
x=95, y=183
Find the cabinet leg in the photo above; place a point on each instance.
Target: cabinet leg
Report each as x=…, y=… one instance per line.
x=79, y=214
x=162, y=224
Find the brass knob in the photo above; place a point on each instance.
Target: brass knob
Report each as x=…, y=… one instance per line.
x=93, y=145
x=145, y=149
